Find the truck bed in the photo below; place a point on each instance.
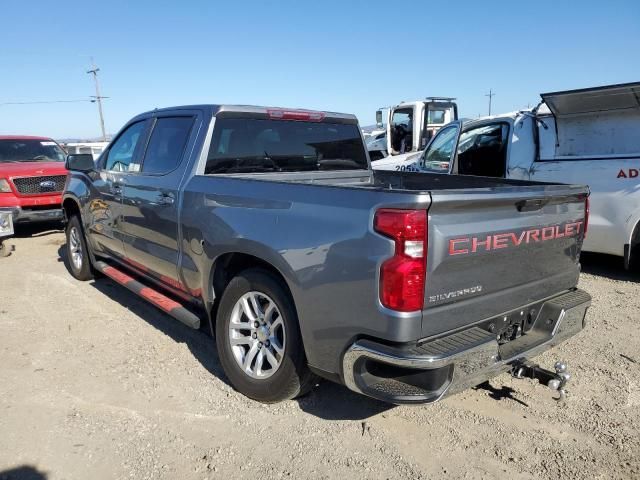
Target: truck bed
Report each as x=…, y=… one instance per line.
x=321, y=236
x=387, y=180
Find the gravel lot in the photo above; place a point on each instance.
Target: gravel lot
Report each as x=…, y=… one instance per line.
x=95, y=383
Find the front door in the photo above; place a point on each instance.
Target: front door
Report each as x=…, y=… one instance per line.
x=151, y=196
x=105, y=205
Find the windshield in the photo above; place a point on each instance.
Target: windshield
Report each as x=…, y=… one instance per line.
x=258, y=145
x=30, y=151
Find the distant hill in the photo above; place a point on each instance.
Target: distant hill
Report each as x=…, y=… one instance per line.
x=78, y=140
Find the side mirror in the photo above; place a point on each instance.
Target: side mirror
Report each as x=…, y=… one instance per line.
x=379, y=118
x=81, y=162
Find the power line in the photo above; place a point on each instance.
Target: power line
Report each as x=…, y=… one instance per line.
x=47, y=101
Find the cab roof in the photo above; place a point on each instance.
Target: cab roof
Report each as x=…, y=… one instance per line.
x=25, y=137
x=214, y=109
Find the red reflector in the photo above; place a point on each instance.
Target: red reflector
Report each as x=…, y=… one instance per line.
x=403, y=277
x=300, y=115
x=586, y=216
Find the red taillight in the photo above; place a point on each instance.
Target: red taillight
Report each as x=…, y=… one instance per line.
x=300, y=115
x=402, y=277
x=586, y=216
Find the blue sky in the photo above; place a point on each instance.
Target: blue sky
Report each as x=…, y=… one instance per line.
x=344, y=55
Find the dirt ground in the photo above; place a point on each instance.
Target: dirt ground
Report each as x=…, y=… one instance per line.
x=95, y=383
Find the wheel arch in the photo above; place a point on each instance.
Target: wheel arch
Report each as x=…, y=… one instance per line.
x=632, y=249
x=230, y=264
x=70, y=206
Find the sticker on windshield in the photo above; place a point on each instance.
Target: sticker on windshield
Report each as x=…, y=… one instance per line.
x=47, y=144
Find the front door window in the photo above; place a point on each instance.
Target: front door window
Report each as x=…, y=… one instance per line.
x=121, y=153
x=437, y=156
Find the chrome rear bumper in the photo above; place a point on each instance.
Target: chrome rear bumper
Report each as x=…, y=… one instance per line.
x=429, y=371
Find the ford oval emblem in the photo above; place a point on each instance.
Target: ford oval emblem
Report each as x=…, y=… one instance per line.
x=48, y=185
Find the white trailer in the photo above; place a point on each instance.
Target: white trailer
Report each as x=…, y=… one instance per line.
x=589, y=136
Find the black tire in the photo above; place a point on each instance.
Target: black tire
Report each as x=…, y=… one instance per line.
x=292, y=378
x=76, y=243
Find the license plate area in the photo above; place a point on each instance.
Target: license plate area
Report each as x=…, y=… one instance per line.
x=514, y=324
x=523, y=328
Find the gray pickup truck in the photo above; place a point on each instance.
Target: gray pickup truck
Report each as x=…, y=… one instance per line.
x=269, y=227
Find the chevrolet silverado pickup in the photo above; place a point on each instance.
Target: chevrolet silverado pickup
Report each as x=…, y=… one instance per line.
x=268, y=226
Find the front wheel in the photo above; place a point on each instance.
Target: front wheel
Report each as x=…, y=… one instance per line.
x=258, y=339
x=77, y=253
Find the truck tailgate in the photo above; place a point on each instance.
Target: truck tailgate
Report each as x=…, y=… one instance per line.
x=497, y=249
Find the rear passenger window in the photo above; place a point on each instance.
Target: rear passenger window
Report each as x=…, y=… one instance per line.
x=167, y=143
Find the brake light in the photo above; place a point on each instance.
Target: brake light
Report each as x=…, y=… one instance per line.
x=300, y=115
x=586, y=216
x=403, y=276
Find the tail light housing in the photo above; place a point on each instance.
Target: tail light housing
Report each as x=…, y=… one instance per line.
x=586, y=216
x=403, y=276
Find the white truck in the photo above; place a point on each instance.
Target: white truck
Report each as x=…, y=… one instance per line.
x=410, y=126
x=589, y=136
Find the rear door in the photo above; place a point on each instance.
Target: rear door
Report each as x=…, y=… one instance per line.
x=105, y=206
x=499, y=247
x=151, y=197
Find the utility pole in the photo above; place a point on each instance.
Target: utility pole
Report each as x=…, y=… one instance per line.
x=490, y=95
x=98, y=98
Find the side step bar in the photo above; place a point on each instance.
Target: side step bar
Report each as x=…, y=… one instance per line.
x=160, y=300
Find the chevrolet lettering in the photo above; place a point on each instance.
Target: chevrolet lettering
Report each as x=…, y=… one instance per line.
x=466, y=245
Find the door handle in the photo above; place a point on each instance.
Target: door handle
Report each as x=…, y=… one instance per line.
x=165, y=199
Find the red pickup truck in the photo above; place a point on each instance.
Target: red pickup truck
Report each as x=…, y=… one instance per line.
x=32, y=178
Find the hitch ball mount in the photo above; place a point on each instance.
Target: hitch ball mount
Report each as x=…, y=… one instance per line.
x=556, y=381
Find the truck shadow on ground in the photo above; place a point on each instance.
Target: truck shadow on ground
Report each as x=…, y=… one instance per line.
x=327, y=400
x=608, y=266
x=33, y=230
x=23, y=472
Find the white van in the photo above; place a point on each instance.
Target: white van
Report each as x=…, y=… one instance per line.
x=589, y=136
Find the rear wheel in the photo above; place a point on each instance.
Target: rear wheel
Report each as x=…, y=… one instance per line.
x=77, y=253
x=259, y=340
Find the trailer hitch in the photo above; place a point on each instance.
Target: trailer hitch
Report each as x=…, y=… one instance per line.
x=556, y=381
